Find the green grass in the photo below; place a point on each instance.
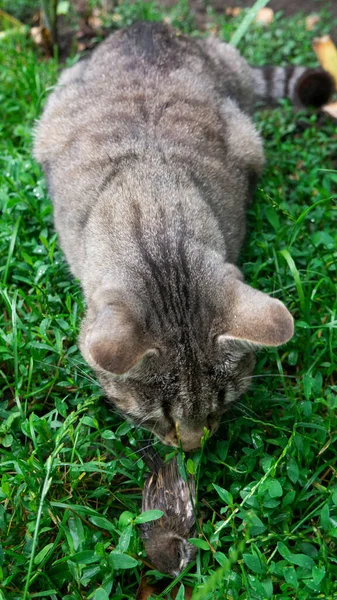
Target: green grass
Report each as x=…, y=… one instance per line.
x=70, y=478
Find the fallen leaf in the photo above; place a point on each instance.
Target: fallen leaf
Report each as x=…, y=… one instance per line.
x=330, y=109
x=95, y=20
x=41, y=37
x=265, y=16
x=81, y=47
x=311, y=21
x=147, y=590
x=326, y=53
x=233, y=11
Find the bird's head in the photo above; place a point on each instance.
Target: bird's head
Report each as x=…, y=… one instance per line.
x=168, y=552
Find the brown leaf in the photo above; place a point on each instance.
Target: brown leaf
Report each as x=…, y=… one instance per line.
x=311, y=21
x=146, y=590
x=233, y=11
x=330, y=109
x=95, y=20
x=326, y=53
x=265, y=16
x=42, y=37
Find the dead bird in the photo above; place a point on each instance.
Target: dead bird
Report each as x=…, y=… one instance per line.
x=166, y=540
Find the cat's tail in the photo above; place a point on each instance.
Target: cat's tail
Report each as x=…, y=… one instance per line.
x=304, y=87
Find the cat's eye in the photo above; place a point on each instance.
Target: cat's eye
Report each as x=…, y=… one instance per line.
x=179, y=555
x=221, y=395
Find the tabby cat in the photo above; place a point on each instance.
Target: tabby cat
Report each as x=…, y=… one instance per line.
x=151, y=159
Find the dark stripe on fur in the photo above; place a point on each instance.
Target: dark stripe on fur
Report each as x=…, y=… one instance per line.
x=117, y=164
x=153, y=275
x=289, y=71
x=268, y=73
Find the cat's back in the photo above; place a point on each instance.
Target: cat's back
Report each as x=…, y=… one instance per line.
x=144, y=47
x=148, y=99
x=127, y=84
x=120, y=82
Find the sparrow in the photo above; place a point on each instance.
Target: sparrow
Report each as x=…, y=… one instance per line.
x=166, y=540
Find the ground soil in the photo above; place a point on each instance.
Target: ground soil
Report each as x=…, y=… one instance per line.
x=288, y=7
x=86, y=35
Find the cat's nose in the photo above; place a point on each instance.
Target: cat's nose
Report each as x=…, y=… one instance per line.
x=192, y=442
x=190, y=439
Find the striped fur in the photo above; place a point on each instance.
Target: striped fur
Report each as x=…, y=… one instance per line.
x=151, y=159
x=304, y=87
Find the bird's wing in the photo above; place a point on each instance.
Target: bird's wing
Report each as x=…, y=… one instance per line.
x=167, y=491
x=149, y=498
x=181, y=496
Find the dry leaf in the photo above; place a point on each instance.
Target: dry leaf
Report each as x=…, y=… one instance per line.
x=147, y=590
x=330, y=109
x=265, y=16
x=233, y=11
x=42, y=37
x=95, y=20
x=311, y=21
x=326, y=53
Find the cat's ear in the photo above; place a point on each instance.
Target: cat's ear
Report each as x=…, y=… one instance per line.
x=114, y=341
x=257, y=318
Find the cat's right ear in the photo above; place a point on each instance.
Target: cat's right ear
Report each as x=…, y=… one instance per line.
x=114, y=340
x=256, y=318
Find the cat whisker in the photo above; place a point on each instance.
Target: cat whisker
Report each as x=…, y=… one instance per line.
x=246, y=410
x=223, y=422
x=152, y=445
x=231, y=411
x=139, y=424
x=262, y=375
x=83, y=373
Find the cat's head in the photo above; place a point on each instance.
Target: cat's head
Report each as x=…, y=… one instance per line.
x=173, y=359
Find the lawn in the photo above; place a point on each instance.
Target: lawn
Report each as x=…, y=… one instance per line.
x=71, y=477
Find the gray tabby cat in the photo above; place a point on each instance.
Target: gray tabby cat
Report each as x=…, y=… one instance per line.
x=151, y=159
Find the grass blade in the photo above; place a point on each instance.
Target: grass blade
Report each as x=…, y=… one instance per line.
x=248, y=19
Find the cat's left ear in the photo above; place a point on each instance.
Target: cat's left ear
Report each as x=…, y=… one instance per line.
x=114, y=340
x=257, y=318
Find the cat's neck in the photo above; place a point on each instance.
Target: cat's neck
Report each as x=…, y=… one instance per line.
x=164, y=218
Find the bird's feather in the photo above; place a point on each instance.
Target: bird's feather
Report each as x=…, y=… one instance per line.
x=166, y=490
